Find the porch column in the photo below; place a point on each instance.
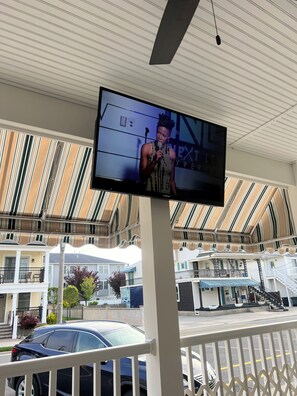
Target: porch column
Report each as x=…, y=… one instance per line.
x=288, y=296
x=216, y=268
x=245, y=270
x=61, y=284
x=260, y=274
x=44, y=306
x=200, y=296
x=164, y=369
x=13, y=306
x=46, y=267
x=17, y=267
x=219, y=296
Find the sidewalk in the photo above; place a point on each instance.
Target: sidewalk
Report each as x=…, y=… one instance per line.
x=191, y=325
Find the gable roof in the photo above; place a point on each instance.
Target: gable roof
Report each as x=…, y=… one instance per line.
x=81, y=259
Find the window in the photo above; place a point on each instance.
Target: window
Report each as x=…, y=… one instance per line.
x=103, y=269
x=24, y=301
x=87, y=342
x=130, y=280
x=103, y=291
x=61, y=340
x=9, y=269
x=181, y=266
x=68, y=269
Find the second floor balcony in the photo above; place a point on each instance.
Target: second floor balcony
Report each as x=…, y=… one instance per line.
x=28, y=275
x=219, y=273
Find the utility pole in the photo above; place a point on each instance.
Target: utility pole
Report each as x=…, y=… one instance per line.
x=61, y=284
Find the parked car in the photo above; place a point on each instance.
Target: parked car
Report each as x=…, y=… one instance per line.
x=83, y=336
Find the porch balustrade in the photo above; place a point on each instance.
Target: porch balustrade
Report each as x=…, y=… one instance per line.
x=220, y=273
x=258, y=360
x=28, y=275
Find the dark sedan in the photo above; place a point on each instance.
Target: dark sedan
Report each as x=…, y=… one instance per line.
x=84, y=336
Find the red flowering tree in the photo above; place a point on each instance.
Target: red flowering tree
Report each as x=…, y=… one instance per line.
x=115, y=281
x=77, y=276
x=28, y=322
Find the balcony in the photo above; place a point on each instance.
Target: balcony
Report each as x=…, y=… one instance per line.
x=258, y=360
x=28, y=275
x=220, y=273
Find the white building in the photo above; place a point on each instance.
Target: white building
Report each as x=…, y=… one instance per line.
x=23, y=280
x=103, y=266
x=212, y=279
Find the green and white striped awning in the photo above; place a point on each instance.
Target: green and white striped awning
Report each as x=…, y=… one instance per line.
x=207, y=284
x=45, y=197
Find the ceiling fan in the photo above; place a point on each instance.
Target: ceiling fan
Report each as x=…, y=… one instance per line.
x=173, y=26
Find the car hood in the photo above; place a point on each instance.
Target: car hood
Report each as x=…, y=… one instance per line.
x=196, y=361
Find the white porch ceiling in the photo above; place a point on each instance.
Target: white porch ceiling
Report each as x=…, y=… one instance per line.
x=67, y=49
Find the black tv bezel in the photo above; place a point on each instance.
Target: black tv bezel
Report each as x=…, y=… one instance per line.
x=134, y=188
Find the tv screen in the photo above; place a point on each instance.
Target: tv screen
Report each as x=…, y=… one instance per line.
x=144, y=149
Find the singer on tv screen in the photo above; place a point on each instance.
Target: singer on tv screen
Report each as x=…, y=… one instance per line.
x=145, y=149
x=157, y=161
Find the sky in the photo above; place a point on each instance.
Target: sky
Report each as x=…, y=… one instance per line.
x=129, y=255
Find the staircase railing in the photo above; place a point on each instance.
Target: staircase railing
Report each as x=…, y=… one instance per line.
x=285, y=280
x=270, y=299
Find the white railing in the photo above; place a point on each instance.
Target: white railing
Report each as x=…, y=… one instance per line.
x=258, y=360
x=283, y=278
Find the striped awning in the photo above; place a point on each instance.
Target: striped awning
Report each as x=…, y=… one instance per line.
x=207, y=284
x=45, y=196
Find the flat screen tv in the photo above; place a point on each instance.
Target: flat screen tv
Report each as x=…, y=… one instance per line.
x=145, y=149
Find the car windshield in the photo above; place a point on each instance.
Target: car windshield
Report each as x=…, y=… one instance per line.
x=124, y=335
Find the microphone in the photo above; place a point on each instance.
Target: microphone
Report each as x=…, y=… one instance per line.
x=159, y=144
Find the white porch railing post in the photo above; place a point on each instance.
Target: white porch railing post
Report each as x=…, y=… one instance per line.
x=164, y=370
x=17, y=266
x=14, y=325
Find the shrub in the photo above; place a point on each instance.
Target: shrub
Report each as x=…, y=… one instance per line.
x=93, y=302
x=51, y=318
x=28, y=322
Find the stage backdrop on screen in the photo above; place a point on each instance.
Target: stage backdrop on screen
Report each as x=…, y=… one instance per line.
x=125, y=123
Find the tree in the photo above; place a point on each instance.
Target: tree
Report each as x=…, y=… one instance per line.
x=88, y=288
x=115, y=281
x=53, y=297
x=70, y=296
x=76, y=277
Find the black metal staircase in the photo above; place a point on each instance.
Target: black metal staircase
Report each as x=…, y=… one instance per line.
x=270, y=299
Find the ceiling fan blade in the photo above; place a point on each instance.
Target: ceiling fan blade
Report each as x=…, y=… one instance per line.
x=173, y=26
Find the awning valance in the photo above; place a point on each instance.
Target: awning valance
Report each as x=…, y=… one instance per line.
x=207, y=284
